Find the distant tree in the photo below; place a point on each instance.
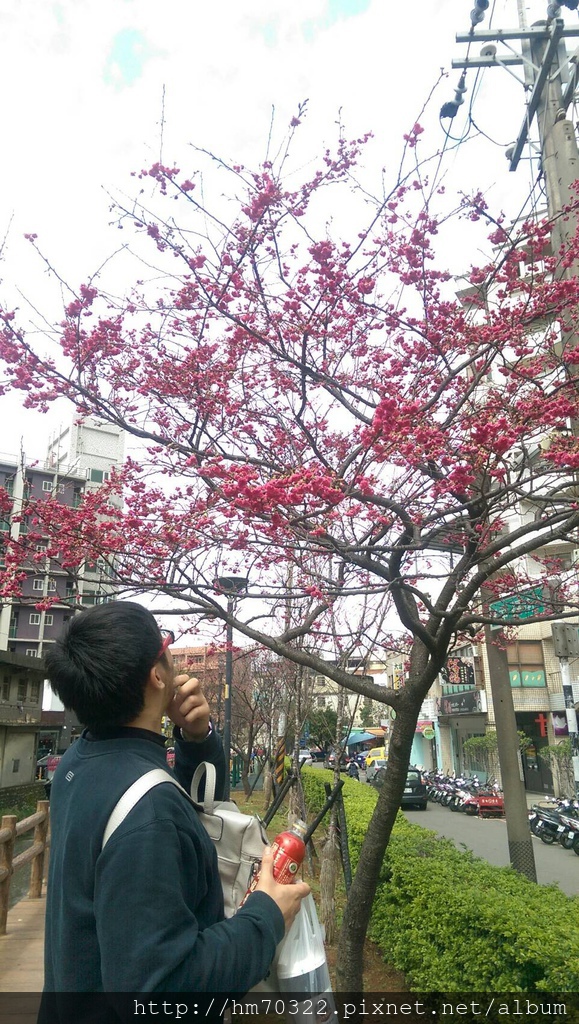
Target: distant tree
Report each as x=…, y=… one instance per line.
x=322, y=724
x=367, y=713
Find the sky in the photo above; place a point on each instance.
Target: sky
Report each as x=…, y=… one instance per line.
x=93, y=91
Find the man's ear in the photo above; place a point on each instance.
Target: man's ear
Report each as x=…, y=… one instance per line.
x=155, y=679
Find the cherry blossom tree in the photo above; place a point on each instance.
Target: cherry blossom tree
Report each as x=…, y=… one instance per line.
x=308, y=392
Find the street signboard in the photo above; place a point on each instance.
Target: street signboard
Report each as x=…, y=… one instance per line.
x=525, y=605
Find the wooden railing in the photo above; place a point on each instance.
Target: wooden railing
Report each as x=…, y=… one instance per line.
x=36, y=855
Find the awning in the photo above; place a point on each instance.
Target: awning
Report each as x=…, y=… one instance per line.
x=357, y=736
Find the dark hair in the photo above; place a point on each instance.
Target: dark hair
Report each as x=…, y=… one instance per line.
x=100, y=664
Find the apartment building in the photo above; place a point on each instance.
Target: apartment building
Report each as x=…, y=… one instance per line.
x=78, y=458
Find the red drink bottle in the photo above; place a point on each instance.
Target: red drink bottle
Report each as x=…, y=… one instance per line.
x=288, y=853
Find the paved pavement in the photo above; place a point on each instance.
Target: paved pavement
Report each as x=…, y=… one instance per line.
x=22, y=948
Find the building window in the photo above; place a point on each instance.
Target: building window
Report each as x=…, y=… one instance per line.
x=22, y=691
x=37, y=584
x=97, y=476
x=31, y=652
x=34, y=692
x=47, y=485
x=34, y=619
x=15, y=765
x=526, y=665
x=48, y=619
x=5, y=688
x=321, y=701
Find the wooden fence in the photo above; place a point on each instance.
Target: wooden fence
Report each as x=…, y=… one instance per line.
x=36, y=855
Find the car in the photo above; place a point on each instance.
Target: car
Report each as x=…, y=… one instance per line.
x=374, y=768
x=330, y=761
x=373, y=754
x=414, y=794
x=305, y=757
x=318, y=755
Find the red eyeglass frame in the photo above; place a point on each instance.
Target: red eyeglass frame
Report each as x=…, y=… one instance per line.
x=167, y=641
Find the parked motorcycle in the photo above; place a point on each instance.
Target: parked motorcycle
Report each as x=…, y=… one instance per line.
x=551, y=825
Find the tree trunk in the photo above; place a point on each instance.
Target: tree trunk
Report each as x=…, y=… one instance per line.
x=350, y=954
x=267, y=785
x=245, y=782
x=328, y=877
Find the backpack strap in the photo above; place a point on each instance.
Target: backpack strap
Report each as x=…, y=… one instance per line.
x=134, y=793
x=208, y=770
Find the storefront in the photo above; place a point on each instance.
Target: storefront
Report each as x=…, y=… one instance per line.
x=423, y=753
x=536, y=771
x=462, y=716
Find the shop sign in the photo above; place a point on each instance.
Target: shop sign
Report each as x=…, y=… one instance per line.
x=519, y=606
x=459, y=672
x=464, y=703
x=428, y=733
x=560, y=726
x=421, y=725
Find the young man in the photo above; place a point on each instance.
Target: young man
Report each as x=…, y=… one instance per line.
x=146, y=913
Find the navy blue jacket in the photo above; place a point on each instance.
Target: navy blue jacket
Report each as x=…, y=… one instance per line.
x=146, y=913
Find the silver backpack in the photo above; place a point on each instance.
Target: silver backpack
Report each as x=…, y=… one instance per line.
x=238, y=838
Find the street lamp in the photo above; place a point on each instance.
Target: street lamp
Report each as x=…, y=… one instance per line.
x=232, y=587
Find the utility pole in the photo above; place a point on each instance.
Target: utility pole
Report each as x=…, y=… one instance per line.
x=549, y=81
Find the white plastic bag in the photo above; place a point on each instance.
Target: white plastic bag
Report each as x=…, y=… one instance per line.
x=302, y=968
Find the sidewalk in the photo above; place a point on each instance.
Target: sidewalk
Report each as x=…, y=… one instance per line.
x=22, y=948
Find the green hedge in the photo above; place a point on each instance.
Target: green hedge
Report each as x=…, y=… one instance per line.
x=450, y=921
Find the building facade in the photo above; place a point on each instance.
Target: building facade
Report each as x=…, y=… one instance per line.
x=21, y=683
x=78, y=459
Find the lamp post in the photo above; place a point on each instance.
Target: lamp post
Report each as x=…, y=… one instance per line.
x=232, y=587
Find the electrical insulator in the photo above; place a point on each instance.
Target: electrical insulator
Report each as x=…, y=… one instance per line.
x=449, y=109
x=478, y=12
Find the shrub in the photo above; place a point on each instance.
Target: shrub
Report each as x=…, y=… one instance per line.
x=451, y=921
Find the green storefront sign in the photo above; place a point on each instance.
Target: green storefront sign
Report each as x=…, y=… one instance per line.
x=525, y=605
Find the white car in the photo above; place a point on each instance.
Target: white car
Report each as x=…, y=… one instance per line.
x=378, y=762
x=306, y=758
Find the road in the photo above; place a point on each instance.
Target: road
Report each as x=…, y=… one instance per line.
x=487, y=838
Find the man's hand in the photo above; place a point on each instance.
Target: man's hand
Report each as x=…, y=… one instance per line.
x=288, y=897
x=189, y=708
